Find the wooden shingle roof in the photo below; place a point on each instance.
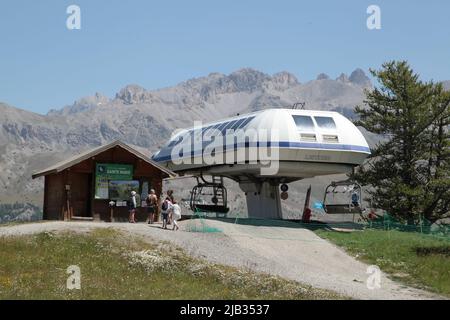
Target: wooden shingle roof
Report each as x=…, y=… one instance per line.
x=63, y=165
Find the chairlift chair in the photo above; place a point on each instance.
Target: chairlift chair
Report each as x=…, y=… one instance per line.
x=199, y=201
x=346, y=187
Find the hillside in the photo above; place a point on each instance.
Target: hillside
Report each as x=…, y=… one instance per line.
x=112, y=252
x=247, y=259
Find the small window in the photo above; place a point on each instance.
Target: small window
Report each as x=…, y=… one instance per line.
x=212, y=129
x=237, y=124
x=308, y=137
x=304, y=123
x=330, y=138
x=246, y=121
x=196, y=133
x=228, y=126
x=325, y=122
x=175, y=141
x=206, y=130
x=222, y=126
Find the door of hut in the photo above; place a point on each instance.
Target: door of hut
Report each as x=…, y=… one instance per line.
x=81, y=194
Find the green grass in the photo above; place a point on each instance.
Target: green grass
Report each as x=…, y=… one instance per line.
x=114, y=266
x=414, y=259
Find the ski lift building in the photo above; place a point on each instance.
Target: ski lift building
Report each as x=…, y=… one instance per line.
x=70, y=185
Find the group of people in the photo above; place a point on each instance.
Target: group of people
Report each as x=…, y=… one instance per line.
x=170, y=210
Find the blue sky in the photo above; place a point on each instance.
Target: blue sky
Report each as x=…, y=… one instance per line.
x=155, y=44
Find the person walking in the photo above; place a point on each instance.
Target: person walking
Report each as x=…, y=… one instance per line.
x=152, y=205
x=172, y=200
x=176, y=215
x=166, y=208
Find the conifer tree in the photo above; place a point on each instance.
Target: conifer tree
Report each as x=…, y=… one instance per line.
x=408, y=172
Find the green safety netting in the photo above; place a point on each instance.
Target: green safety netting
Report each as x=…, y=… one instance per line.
x=198, y=223
x=387, y=222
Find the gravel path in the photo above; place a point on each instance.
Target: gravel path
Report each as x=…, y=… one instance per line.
x=293, y=253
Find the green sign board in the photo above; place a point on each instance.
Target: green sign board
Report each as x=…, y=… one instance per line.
x=104, y=172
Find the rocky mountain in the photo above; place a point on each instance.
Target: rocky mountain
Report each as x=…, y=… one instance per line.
x=146, y=118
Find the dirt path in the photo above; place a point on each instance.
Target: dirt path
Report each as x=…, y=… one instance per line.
x=293, y=253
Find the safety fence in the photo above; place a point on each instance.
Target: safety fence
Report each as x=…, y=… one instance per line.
x=387, y=222
x=199, y=223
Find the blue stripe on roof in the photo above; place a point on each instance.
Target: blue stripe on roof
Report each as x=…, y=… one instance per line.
x=281, y=144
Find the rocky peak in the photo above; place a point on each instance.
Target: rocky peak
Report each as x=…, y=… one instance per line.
x=343, y=78
x=82, y=104
x=243, y=80
x=285, y=78
x=359, y=77
x=247, y=79
x=281, y=81
x=133, y=94
x=90, y=101
x=322, y=76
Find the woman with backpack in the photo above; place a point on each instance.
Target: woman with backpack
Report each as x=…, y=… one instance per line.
x=172, y=200
x=166, y=208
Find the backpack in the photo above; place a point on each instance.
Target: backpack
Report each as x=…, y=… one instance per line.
x=130, y=203
x=148, y=201
x=165, y=205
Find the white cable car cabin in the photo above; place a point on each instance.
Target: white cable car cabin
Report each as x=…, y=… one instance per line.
x=299, y=143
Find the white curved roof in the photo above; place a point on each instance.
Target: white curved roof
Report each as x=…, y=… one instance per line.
x=321, y=130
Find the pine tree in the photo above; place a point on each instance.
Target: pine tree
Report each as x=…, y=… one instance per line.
x=408, y=171
x=436, y=201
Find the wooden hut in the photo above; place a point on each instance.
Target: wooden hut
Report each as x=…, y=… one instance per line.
x=95, y=185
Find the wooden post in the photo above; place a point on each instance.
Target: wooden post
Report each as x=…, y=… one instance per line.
x=67, y=189
x=45, y=206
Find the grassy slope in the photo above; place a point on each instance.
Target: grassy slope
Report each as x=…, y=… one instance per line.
x=118, y=267
x=396, y=253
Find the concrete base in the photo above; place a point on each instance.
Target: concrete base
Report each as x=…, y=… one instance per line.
x=263, y=200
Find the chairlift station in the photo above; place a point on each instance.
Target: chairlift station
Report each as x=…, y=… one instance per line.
x=298, y=143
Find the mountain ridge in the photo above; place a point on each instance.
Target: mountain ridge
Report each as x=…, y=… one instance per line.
x=243, y=80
